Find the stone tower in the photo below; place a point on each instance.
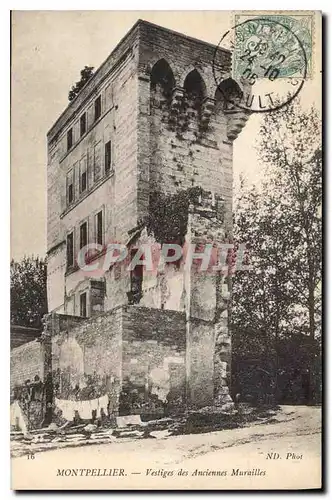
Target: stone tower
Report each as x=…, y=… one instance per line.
x=143, y=155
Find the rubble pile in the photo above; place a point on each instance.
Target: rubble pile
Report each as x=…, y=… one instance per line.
x=205, y=420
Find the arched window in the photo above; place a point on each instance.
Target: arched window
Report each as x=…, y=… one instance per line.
x=194, y=85
x=162, y=75
x=228, y=90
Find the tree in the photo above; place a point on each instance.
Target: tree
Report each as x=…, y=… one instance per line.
x=293, y=152
x=86, y=74
x=281, y=223
x=28, y=292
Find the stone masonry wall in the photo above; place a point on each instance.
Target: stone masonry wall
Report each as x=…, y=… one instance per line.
x=208, y=337
x=128, y=347
x=154, y=354
x=86, y=359
x=26, y=361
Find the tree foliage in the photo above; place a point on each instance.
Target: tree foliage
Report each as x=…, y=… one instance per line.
x=280, y=297
x=28, y=292
x=86, y=74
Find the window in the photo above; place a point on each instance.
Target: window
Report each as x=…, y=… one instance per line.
x=83, y=234
x=83, y=176
x=96, y=297
x=69, y=139
x=70, y=193
x=136, y=281
x=83, y=124
x=99, y=228
x=108, y=156
x=70, y=250
x=70, y=187
x=83, y=302
x=97, y=108
x=83, y=182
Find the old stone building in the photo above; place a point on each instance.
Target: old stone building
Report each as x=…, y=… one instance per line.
x=142, y=156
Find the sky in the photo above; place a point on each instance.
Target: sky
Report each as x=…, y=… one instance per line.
x=49, y=48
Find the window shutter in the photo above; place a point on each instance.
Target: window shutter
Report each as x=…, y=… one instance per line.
x=97, y=162
x=83, y=305
x=90, y=116
x=99, y=228
x=108, y=156
x=103, y=101
x=83, y=235
x=70, y=249
x=108, y=97
x=83, y=175
x=70, y=187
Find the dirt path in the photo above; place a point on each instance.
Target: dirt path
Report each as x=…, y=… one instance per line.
x=285, y=453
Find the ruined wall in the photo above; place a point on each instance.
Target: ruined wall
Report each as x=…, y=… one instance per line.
x=26, y=381
x=86, y=359
x=202, y=294
x=207, y=304
x=154, y=355
x=128, y=349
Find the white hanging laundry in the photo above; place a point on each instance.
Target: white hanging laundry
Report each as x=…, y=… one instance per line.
x=84, y=407
x=67, y=407
x=17, y=418
x=102, y=403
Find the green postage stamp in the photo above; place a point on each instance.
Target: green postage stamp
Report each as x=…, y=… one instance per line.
x=281, y=43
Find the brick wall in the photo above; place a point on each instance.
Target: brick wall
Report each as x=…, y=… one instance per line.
x=200, y=366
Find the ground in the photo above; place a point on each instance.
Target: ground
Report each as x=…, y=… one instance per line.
x=283, y=454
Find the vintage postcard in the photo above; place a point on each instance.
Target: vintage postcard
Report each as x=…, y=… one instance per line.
x=166, y=215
